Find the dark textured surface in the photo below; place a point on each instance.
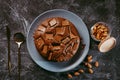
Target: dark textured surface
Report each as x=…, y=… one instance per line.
x=18, y=15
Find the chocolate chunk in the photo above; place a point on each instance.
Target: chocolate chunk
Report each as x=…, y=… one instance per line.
x=55, y=55
x=49, y=36
x=75, y=46
x=68, y=56
x=37, y=34
x=41, y=28
x=39, y=42
x=60, y=30
x=66, y=40
x=68, y=49
x=45, y=23
x=67, y=33
x=50, y=56
x=60, y=58
x=53, y=22
x=65, y=23
x=44, y=51
x=56, y=48
x=58, y=38
x=72, y=35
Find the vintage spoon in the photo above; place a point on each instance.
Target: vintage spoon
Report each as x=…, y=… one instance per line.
x=19, y=39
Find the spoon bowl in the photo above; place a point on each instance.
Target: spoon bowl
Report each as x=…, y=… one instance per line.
x=19, y=39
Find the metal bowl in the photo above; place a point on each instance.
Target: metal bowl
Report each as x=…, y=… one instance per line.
x=103, y=23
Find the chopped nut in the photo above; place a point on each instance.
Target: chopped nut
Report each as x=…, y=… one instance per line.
x=81, y=70
x=69, y=75
x=94, y=28
x=96, y=64
x=102, y=27
x=105, y=34
x=76, y=73
x=101, y=30
x=103, y=38
x=98, y=36
x=90, y=71
x=105, y=29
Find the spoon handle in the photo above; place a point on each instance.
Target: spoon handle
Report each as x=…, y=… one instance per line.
x=19, y=63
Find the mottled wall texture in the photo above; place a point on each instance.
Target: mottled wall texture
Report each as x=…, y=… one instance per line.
x=19, y=14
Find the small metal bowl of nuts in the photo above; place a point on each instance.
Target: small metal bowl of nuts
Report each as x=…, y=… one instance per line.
x=100, y=31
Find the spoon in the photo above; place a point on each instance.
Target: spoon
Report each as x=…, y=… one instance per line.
x=19, y=39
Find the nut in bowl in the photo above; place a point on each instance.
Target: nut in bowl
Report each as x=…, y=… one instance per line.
x=100, y=31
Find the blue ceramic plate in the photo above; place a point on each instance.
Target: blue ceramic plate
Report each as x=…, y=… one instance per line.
x=59, y=66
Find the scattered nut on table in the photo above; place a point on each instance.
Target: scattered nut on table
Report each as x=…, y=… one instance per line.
x=76, y=73
x=89, y=65
x=90, y=70
x=81, y=70
x=69, y=75
x=96, y=64
x=89, y=58
x=86, y=63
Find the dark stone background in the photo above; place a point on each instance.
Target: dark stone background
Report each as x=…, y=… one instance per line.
x=18, y=15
